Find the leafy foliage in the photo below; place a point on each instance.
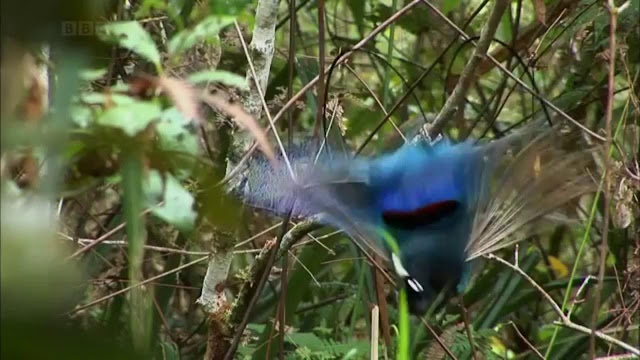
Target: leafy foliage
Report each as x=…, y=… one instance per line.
x=113, y=152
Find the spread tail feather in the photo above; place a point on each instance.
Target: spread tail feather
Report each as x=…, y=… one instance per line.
x=527, y=185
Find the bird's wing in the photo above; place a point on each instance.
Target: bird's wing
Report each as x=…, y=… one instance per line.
x=331, y=185
x=529, y=175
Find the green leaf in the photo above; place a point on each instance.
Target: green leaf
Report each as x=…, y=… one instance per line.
x=176, y=133
x=131, y=35
x=93, y=74
x=205, y=30
x=223, y=77
x=130, y=118
x=546, y=332
x=81, y=115
x=169, y=351
x=177, y=207
x=357, y=10
x=419, y=19
x=177, y=136
x=312, y=345
x=133, y=202
x=505, y=30
x=104, y=98
x=449, y=5
x=227, y=7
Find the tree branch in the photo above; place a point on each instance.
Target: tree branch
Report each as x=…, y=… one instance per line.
x=261, y=51
x=457, y=98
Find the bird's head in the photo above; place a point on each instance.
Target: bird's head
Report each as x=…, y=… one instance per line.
x=424, y=276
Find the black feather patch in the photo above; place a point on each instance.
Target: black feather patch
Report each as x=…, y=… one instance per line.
x=423, y=216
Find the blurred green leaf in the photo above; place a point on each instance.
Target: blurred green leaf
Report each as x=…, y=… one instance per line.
x=169, y=351
x=419, y=19
x=449, y=5
x=140, y=316
x=314, y=346
x=106, y=98
x=93, y=74
x=35, y=279
x=205, y=30
x=40, y=338
x=223, y=77
x=81, y=115
x=227, y=7
x=131, y=35
x=176, y=133
x=177, y=208
x=131, y=118
x=357, y=9
x=505, y=30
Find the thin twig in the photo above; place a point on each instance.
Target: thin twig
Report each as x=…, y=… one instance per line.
x=381, y=300
x=523, y=338
x=102, y=238
x=618, y=357
x=377, y=101
x=457, y=98
x=296, y=233
x=258, y=289
x=375, y=321
x=163, y=319
x=514, y=77
x=148, y=247
x=180, y=251
x=305, y=269
x=613, y=21
x=467, y=326
x=552, y=302
x=261, y=95
x=292, y=64
x=321, y=65
x=151, y=279
x=285, y=259
x=283, y=303
x=263, y=232
x=438, y=340
x=317, y=241
x=565, y=321
x=582, y=286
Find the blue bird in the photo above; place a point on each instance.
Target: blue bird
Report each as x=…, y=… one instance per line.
x=444, y=203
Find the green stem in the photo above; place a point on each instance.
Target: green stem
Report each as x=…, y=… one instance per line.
x=403, y=305
x=585, y=237
x=140, y=317
x=387, y=73
x=403, y=326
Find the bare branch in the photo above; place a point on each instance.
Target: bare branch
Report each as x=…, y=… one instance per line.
x=565, y=321
x=457, y=98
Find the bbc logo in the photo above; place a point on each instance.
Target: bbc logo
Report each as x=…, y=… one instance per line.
x=81, y=28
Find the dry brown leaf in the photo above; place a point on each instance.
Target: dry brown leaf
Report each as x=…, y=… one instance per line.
x=35, y=102
x=183, y=95
x=142, y=86
x=237, y=113
x=25, y=169
x=624, y=213
x=541, y=11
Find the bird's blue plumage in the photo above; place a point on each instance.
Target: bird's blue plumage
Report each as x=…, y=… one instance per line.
x=443, y=203
x=415, y=176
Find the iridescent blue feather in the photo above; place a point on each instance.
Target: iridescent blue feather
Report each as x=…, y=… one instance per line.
x=444, y=203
